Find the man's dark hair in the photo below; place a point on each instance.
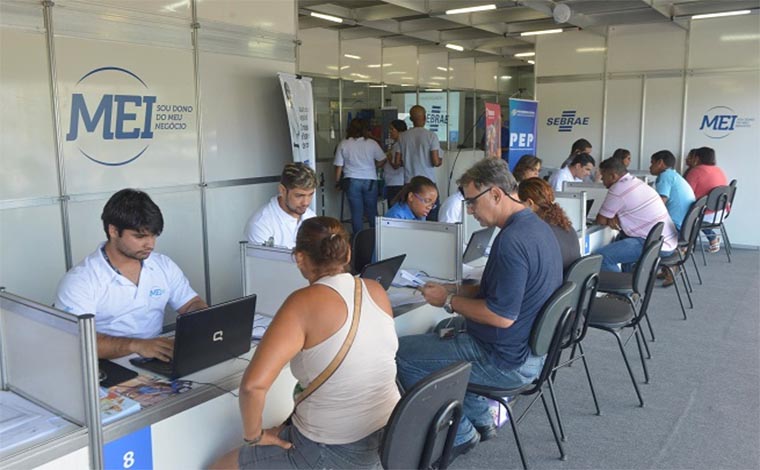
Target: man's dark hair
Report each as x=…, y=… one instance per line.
x=614, y=165
x=621, y=153
x=665, y=156
x=130, y=209
x=584, y=159
x=579, y=145
x=399, y=125
x=705, y=155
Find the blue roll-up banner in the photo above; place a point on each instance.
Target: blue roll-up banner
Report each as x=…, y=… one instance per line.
x=522, y=129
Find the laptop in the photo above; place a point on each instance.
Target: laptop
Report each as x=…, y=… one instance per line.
x=204, y=338
x=383, y=271
x=589, y=219
x=479, y=242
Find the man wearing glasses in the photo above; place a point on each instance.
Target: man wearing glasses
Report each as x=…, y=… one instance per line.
x=277, y=223
x=523, y=270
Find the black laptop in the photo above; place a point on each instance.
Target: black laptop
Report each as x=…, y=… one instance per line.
x=383, y=271
x=207, y=337
x=479, y=242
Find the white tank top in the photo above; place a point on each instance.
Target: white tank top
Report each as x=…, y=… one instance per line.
x=359, y=397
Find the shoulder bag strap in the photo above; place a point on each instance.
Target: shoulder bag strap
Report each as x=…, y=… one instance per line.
x=342, y=352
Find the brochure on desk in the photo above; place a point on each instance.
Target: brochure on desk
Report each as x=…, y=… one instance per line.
x=23, y=422
x=114, y=406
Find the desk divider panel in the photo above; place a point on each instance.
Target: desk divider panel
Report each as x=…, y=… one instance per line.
x=270, y=273
x=432, y=247
x=574, y=205
x=595, y=191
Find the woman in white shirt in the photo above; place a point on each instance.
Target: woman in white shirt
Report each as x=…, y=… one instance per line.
x=356, y=160
x=340, y=425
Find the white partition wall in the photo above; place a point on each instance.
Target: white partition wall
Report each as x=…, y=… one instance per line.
x=700, y=88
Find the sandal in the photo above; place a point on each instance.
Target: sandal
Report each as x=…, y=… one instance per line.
x=714, y=245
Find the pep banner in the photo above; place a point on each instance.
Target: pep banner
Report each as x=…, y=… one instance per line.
x=299, y=104
x=522, y=129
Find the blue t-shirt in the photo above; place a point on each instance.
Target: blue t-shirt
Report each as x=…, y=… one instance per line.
x=401, y=210
x=523, y=271
x=680, y=196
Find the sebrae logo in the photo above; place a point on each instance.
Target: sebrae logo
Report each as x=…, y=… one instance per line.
x=568, y=119
x=720, y=121
x=436, y=118
x=114, y=116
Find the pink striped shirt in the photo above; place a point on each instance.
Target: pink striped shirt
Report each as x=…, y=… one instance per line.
x=639, y=207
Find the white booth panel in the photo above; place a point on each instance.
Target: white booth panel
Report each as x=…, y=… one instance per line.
x=736, y=95
x=269, y=15
x=623, y=117
x=228, y=211
x=177, y=9
x=181, y=239
x=27, y=147
x=631, y=47
x=725, y=42
x=434, y=69
x=404, y=65
x=241, y=140
x=31, y=243
x=462, y=73
x=571, y=53
x=486, y=75
x=318, y=52
x=663, y=117
x=580, y=100
x=367, y=67
x=134, y=121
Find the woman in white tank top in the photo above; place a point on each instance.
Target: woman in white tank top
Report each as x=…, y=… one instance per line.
x=339, y=425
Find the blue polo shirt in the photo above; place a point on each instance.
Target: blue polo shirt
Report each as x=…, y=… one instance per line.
x=680, y=196
x=523, y=271
x=401, y=210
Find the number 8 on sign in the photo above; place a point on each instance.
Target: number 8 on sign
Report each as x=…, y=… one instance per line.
x=133, y=451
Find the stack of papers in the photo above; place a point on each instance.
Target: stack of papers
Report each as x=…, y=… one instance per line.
x=114, y=406
x=23, y=422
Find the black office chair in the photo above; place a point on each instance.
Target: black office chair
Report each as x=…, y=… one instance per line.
x=717, y=202
x=362, y=249
x=622, y=283
x=584, y=273
x=423, y=425
x=545, y=339
x=614, y=313
x=676, y=263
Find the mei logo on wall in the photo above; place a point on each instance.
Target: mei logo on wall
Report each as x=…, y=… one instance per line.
x=568, y=119
x=116, y=128
x=720, y=121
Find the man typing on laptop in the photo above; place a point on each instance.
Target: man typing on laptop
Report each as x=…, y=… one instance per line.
x=127, y=286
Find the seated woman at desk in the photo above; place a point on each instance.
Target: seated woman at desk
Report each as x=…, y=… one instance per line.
x=538, y=195
x=340, y=424
x=529, y=166
x=415, y=201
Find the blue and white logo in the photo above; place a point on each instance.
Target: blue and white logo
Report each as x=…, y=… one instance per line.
x=567, y=121
x=720, y=121
x=115, y=116
x=436, y=118
x=156, y=291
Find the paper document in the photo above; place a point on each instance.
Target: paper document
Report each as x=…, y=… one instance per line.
x=23, y=422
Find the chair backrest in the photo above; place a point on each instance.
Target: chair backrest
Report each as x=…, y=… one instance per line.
x=655, y=233
x=731, y=196
x=423, y=424
x=717, y=201
x=363, y=247
x=644, y=276
x=691, y=223
x=584, y=272
x=550, y=327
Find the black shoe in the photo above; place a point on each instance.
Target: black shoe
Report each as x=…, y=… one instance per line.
x=462, y=449
x=486, y=432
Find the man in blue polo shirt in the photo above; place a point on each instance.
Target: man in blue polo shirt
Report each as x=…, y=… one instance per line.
x=672, y=187
x=125, y=284
x=523, y=270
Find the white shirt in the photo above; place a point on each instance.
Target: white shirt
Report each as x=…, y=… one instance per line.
x=358, y=157
x=451, y=209
x=122, y=308
x=559, y=177
x=393, y=176
x=272, y=222
x=416, y=145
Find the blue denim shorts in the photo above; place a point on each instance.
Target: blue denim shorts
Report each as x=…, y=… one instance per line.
x=305, y=453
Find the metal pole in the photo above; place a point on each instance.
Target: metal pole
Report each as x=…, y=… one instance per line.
x=243, y=270
x=643, y=118
x=604, y=96
x=89, y=352
x=47, y=12
x=195, y=26
x=684, y=97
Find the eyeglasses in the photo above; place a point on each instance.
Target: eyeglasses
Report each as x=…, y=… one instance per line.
x=471, y=200
x=428, y=203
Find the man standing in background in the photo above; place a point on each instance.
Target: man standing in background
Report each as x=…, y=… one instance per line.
x=420, y=151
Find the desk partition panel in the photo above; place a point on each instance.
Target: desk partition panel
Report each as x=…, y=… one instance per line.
x=595, y=191
x=574, y=205
x=270, y=273
x=49, y=357
x=432, y=247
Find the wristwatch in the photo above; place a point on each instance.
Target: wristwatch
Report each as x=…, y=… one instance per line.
x=447, y=305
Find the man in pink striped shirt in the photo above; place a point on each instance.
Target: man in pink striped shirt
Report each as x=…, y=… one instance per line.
x=634, y=208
